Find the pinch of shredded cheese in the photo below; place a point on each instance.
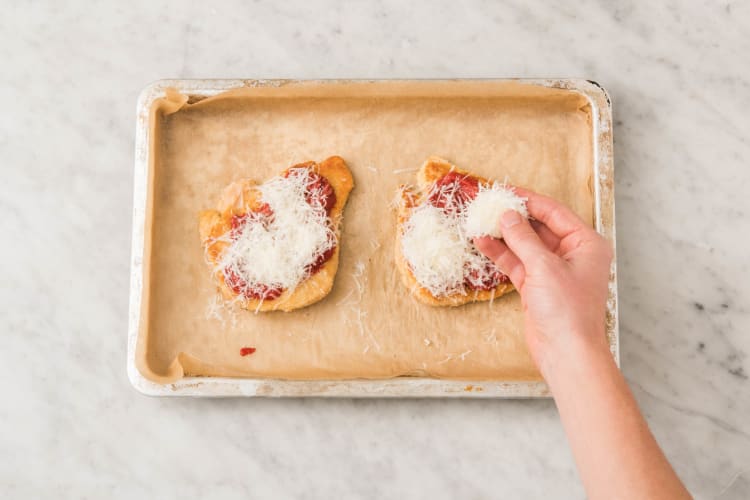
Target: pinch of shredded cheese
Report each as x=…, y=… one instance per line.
x=483, y=213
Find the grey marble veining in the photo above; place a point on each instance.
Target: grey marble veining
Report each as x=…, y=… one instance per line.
x=71, y=426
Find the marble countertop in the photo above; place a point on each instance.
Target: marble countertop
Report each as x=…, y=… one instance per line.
x=71, y=425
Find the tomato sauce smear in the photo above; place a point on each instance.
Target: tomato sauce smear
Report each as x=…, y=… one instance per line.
x=318, y=264
x=492, y=279
x=453, y=191
x=257, y=292
x=319, y=190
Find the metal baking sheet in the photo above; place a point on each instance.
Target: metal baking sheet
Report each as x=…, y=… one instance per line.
x=604, y=211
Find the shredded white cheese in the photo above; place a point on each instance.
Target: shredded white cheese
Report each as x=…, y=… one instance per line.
x=484, y=211
x=449, y=358
x=213, y=309
x=218, y=309
x=436, y=242
x=402, y=170
x=490, y=338
x=279, y=252
x=436, y=250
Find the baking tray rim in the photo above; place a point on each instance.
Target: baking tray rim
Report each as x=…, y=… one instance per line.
x=398, y=387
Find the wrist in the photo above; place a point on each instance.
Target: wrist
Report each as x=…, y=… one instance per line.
x=575, y=359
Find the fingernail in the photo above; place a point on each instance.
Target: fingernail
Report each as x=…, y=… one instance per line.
x=510, y=218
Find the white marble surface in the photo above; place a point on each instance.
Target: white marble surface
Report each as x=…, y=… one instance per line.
x=70, y=424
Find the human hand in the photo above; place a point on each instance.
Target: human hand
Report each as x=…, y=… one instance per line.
x=560, y=267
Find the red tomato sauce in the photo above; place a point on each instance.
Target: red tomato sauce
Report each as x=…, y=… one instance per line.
x=453, y=191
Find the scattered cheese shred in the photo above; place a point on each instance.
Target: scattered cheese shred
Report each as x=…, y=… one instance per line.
x=213, y=310
x=450, y=357
x=490, y=338
x=217, y=307
x=360, y=282
x=359, y=270
x=346, y=297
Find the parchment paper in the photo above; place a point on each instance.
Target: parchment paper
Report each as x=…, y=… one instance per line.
x=536, y=137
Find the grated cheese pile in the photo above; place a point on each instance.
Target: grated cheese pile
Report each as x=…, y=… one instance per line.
x=483, y=213
x=435, y=249
x=279, y=253
x=436, y=242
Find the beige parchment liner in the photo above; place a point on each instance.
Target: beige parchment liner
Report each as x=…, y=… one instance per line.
x=536, y=137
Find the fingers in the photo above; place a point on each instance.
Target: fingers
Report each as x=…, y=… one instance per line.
x=561, y=220
x=550, y=239
x=521, y=237
x=499, y=253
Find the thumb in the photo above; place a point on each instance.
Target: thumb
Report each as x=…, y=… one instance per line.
x=521, y=237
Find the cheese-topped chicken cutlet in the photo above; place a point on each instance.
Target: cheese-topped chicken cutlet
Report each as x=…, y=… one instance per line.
x=437, y=220
x=275, y=246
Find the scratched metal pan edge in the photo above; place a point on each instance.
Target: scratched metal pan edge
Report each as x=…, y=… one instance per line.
x=400, y=387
